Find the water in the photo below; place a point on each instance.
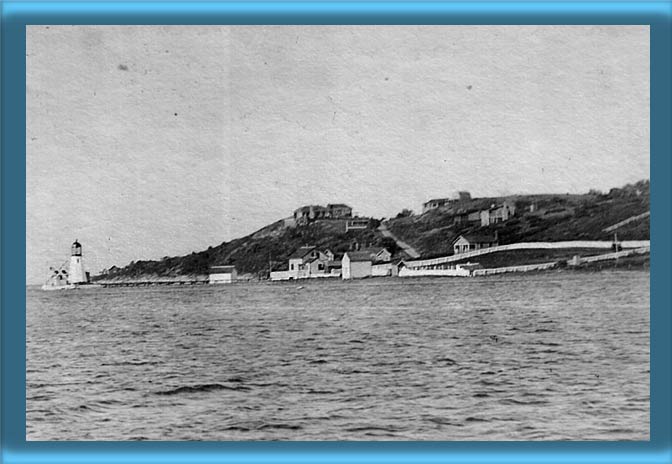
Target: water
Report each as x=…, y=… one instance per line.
x=555, y=356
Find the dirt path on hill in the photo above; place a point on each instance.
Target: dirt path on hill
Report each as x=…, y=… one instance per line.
x=408, y=249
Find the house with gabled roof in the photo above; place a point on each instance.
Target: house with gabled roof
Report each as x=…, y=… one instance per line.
x=471, y=242
x=498, y=213
x=300, y=257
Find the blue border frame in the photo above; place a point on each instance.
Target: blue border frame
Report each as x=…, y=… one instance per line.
x=16, y=15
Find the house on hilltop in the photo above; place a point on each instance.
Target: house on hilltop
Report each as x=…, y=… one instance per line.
x=441, y=202
x=472, y=242
x=339, y=210
x=310, y=213
x=436, y=203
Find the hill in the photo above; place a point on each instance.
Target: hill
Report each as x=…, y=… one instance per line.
x=267, y=249
x=537, y=218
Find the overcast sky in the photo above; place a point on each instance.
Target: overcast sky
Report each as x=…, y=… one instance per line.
x=147, y=141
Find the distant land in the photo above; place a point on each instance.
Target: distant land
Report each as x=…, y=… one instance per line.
x=541, y=217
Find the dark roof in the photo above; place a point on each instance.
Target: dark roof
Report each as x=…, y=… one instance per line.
x=477, y=238
x=335, y=263
x=301, y=252
x=338, y=205
x=359, y=255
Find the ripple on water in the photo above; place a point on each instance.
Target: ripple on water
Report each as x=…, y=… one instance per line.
x=381, y=359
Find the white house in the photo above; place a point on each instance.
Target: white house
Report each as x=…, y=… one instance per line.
x=222, y=274
x=471, y=242
x=298, y=259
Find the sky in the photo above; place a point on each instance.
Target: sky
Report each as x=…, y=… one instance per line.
x=152, y=141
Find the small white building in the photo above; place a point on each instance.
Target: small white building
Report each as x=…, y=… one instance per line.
x=222, y=274
x=385, y=269
x=356, y=265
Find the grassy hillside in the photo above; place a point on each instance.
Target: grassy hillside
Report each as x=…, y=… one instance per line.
x=556, y=217
x=252, y=254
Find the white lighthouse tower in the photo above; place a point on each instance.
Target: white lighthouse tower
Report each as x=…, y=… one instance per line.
x=76, y=275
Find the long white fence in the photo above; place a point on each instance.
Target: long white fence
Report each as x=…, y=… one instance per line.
x=526, y=268
x=406, y=272
x=526, y=246
x=303, y=274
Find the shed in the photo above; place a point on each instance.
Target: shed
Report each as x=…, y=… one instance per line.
x=222, y=274
x=356, y=265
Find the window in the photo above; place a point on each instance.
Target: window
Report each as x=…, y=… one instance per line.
x=291, y=267
x=320, y=267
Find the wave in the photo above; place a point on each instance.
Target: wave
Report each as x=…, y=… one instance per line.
x=132, y=363
x=208, y=387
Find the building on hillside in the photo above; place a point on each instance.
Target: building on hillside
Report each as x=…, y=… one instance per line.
x=222, y=274
x=463, y=196
x=435, y=203
x=356, y=265
x=357, y=224
x=498, y=213
x=472, y=242
x=338, y=210
x=467, y=217
x=310, y=213
x=441, y=202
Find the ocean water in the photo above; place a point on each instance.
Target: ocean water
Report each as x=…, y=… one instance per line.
x=552, y=356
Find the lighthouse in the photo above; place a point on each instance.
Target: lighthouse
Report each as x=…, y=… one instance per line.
x=76, y=274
